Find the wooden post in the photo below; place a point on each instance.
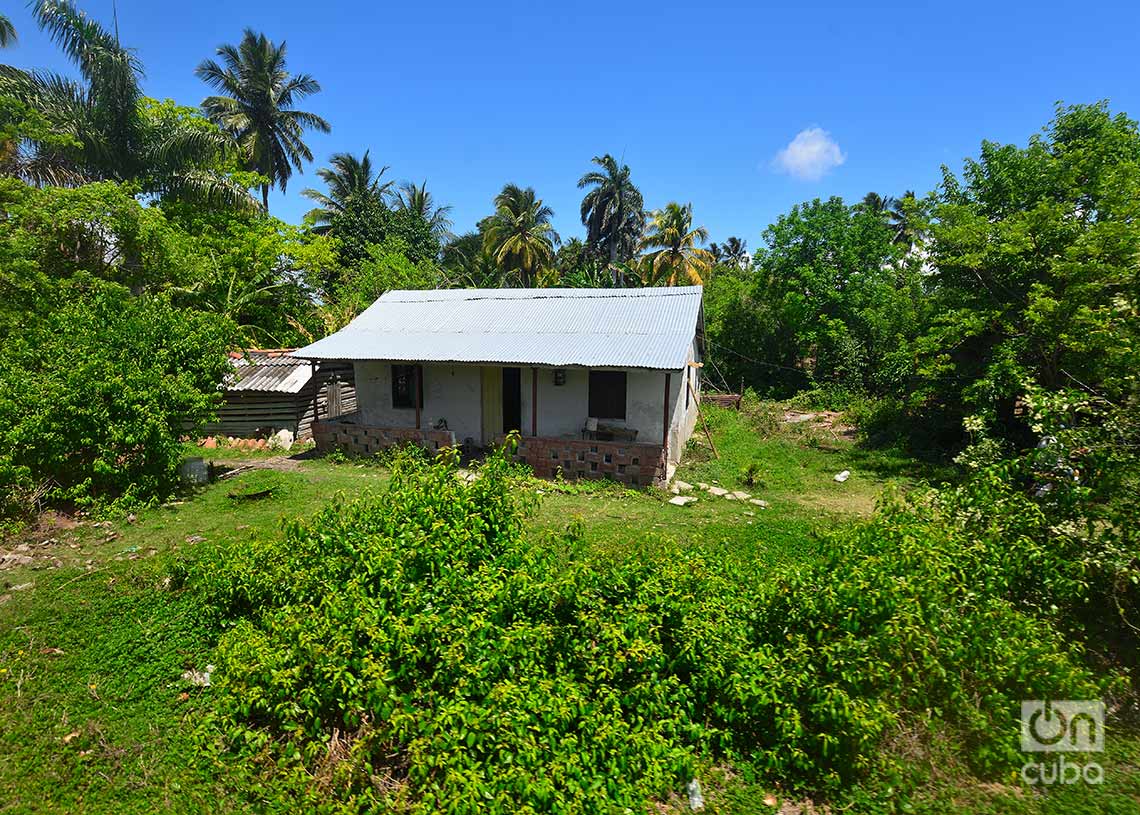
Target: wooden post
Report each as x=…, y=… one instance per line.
x=419, y=369
x=534, y=401
x=704, y=423
x=665, y=418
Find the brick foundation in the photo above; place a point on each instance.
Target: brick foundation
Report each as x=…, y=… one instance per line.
x=344, y=433
x=639, y=465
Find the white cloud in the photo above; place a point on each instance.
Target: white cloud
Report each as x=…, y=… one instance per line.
x=810, y=155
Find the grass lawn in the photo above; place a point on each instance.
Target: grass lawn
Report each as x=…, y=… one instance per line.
x=93, y=640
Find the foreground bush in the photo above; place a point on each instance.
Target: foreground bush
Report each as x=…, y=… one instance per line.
x=412, y=649
x=95, y=395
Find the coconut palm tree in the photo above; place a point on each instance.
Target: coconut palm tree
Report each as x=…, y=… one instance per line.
x=468, y=263
x=520, y=236
x=673, y=253
x=877, y=204
x=256, y=105
x=419, y=201
x=612, y=211
x=99, y=127
x=7, y=32
x=904, y=228
x=348, y=179
x=735, y=251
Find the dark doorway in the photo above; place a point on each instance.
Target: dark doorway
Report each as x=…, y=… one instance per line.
x=512, y=399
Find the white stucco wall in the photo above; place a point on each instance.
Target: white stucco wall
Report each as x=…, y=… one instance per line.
x=451, y=392
x=454, y=393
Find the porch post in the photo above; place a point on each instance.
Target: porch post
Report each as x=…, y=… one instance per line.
x=534, y=401
x=665, y=417
x=419, y=393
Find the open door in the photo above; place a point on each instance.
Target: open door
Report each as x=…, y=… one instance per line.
x=512, y=399
x=492, y=404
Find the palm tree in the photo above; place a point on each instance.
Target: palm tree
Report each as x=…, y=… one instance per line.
x=468, y=263
x=99, y=128
x=876, y=204
x=903, y=223
x=673, y=243
x=7, y=32
x=419, y=201
x=257, y=107
x=612, y=211
x=735, y=251
x=348, y=179
x=519, y=235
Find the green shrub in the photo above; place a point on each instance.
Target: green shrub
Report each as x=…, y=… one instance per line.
x=414, y=649
x=95, y=396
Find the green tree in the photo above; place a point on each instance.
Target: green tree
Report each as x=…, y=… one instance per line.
x=735, y=251
x=260, y=273
x=418, y=201
x=96, y=396
x=256, y=106
x=387, y=267
x=469, y=263
x=349, y=180
x=55, y=241
x=368, y=221
x=520, y=236
x=877, y=204
x=99, y=127
x=671, y=244
x=907, y=218
x=1034, y=262
x=612, y=211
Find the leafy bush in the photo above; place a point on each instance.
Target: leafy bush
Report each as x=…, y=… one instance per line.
x=412, y=649
x=95, y=396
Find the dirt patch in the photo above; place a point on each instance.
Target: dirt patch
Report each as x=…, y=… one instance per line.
x=284, y=464
x=828, y=421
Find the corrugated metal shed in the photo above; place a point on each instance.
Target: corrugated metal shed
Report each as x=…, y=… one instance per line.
x=272, y=371
x=621, y=328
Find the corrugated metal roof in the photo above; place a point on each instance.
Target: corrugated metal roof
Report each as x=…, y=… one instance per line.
x=626, y=328
x=269, y=371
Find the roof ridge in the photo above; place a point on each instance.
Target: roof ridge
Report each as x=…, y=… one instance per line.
x=660, y=293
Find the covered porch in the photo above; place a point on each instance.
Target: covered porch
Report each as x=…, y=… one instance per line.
x=638, y=465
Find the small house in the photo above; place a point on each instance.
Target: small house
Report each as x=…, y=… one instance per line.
x=268, y=390
x=598, y=382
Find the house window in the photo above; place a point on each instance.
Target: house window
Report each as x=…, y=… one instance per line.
x=607, y=394
x=404, y=383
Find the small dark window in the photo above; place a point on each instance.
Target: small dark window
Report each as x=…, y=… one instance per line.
x=607, y=394
x=404, y=381
x=688, y=387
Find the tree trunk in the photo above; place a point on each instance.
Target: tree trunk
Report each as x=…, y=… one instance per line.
x=613, y=247
x=265, y=197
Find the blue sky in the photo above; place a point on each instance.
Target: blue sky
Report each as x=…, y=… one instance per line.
x=699, y=99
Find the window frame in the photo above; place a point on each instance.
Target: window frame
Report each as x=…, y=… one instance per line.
x=413, y=387
x=606, y=400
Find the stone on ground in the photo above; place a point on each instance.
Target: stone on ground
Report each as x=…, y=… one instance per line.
x=843, y=476
x=718, y=491
x=758, y=502
x=682, y=500
x=739, y=495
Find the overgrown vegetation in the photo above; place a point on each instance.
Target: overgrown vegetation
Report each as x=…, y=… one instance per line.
x=431, y=645
x=395, y=651
x=96, y=396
